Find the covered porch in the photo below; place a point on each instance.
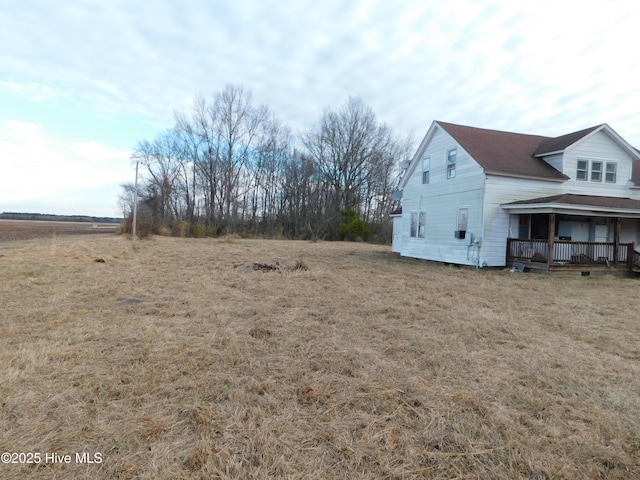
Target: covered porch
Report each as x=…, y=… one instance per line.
x=574, y=232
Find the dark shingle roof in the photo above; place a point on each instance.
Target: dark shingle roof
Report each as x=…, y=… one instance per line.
x=504, y=152
x=558, y=144
x=584, y=200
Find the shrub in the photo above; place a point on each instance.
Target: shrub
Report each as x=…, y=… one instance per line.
x=144, y=226
x=351, y=227
x=179, y=228
x=198, y=231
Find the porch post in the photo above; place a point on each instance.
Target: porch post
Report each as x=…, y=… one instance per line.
x=616, y=239
x=552, y=237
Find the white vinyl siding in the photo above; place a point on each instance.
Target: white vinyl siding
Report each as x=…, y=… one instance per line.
x=440, y=202
x=396, y=244
x=498, y=226
x=600, y=148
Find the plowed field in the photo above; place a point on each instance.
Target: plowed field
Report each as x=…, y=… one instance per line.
x=26, y=229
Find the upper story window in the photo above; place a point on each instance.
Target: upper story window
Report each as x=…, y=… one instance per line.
x=596, y=171
x=426, y=168
x=583, y=171
x=610, y=173
x=451, y=163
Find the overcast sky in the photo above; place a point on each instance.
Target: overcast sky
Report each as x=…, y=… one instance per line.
x=82, y=81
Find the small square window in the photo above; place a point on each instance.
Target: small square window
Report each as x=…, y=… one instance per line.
x=610, y=173
x=451, y=163
x=583, y=170
x=596, y=171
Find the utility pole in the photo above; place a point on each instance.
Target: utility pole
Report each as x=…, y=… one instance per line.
x=135, y=205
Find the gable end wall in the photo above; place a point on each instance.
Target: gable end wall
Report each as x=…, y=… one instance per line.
x=440, y=200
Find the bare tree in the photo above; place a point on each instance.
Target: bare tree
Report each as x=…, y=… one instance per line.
x=232, y=166
x=353, y=154
x=125, y=199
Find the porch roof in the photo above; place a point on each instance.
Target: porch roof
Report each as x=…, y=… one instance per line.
x=572, y=204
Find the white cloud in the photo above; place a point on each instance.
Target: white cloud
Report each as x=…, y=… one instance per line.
x=544, y=67
x=39, y=167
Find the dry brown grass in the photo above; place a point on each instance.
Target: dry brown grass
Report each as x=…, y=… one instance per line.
x=364, y=365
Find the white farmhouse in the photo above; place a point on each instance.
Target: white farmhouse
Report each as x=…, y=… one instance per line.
x=482, y=197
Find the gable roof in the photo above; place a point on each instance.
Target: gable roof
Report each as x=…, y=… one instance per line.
x=559, y=144
x=504, y=153
x=518, y=154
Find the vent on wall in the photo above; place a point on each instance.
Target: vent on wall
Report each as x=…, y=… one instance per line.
x=460, y=234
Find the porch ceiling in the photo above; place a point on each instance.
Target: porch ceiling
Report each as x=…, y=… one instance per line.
x=571, y=204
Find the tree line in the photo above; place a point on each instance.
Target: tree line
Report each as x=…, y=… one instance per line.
x=231, y=166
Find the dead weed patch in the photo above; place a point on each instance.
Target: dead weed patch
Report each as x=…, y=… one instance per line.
x=174, y=360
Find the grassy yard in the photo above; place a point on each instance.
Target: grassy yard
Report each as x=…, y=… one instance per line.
x=174, y=359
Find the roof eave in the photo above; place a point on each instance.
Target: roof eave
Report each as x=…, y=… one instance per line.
x=546, y=154
x=561, y=176
x=554, y=207
x=415, y=159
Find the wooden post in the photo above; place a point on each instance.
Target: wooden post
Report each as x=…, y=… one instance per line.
x=616, y=239
x=552, y=238
x=135, y=205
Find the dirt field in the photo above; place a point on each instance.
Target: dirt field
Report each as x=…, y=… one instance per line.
x=174, y=359
x=25, y=229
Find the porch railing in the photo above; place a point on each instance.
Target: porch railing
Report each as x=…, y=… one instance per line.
x=569, y=252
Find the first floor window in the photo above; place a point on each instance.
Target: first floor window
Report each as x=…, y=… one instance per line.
x=463, y=215
x=418, y=224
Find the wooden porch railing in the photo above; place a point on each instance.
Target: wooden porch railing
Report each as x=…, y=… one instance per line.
x=569, y=252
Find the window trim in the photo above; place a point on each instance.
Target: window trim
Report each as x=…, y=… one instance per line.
x=420, y=224
x=585, y=170
x=593, y=170
x=614, y=173
x=426, y=173
x=602, y=175
x=463, y=231
x=451, y=165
